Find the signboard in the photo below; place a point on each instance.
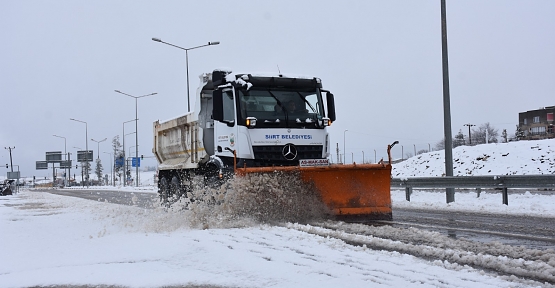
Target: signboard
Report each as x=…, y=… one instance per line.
x=42, y=165
x=135, y=162
x=65, y=164
x=314, y=162
x=83, y=156
x=54, y=157
x=119, y=162
x=13, y=175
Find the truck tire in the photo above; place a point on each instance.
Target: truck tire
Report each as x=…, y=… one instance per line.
x=163, y=191
x=175, y=187
x=212, y=176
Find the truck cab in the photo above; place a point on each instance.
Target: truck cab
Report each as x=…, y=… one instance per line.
x=270, y=120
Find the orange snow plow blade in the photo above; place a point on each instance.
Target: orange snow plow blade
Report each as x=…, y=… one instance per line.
x=355, y=192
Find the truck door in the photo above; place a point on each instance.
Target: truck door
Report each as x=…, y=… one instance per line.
x=225, y=126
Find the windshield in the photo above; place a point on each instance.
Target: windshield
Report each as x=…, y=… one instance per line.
x=282, y=108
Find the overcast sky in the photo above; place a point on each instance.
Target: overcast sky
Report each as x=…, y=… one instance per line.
x=381, y=59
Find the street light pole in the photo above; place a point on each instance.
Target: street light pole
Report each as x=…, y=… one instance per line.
x=10, y=148
x=187, y=63
x=124, y=158
x=111, y=167
x=344, y=149
x=65, y=156
x=136, y=130
x=98, y=147
x=469, y=137
x=375, y=156
x=130, y=149
x=81, y=168
x=125, y=166
x=86, y=148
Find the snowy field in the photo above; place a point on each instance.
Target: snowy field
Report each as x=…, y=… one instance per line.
x=513, y=158
x=51, y=240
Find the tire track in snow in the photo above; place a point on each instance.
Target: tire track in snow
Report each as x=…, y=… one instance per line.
x=507, y=261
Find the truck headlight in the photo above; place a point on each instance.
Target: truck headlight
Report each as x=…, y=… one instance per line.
x=251, y=121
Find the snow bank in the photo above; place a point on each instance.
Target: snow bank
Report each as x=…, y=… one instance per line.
x=513, y=158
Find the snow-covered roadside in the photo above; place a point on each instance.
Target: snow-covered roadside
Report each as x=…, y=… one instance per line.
x=527, y=203
x=144, y=189
x=56, y=240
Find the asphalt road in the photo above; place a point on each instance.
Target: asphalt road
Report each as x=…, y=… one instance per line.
x=531, y=232
x=140, y=199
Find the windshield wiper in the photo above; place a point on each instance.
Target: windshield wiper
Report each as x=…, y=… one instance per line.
x=280, y=105
x=304, y=99
x=277, y=100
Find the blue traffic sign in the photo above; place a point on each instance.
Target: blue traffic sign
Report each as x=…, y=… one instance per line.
x=136, y=162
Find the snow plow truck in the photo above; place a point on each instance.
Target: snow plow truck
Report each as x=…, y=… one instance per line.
x=245, y=123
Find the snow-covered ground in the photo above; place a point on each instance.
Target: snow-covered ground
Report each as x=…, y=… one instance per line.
x=51, y=240
x=513, y=158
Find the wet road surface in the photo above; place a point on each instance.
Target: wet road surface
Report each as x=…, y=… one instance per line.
x=528, y=231
x=531, y=232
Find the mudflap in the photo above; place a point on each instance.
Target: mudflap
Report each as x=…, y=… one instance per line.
x=354, y=193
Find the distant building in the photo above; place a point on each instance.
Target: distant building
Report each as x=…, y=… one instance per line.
x=537, y=124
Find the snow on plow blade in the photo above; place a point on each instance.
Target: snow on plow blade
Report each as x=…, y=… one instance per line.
x=355, y=192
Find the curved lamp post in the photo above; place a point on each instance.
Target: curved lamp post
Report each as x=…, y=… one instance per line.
x=98, y=147
x=187, y=62
x=136, y=128
x=111, y=167
x=65, y=157
x=86, y=148
x=124, y=158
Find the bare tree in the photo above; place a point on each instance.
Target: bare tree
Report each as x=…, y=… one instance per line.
x=441, y=144
x=479, y=135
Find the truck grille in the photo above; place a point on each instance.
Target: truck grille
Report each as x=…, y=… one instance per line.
x=273, y=155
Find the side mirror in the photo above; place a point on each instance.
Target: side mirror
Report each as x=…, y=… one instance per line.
x=331, y=106
x=218, y=105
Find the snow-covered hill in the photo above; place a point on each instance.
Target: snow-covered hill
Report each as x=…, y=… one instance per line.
x=514, y=158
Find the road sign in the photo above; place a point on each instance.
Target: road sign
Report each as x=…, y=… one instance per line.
x=83, y=156
x=42, y=165
x=119, y=162
x=65, y=164
x=13, y=175
x=135, y=162
x=54, y=157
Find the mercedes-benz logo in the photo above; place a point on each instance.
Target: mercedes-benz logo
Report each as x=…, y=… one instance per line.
x=289, y=151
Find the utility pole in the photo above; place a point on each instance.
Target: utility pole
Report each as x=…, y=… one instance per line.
x=469, y=137
x=450, y=192
x=337, y=151
x=10, y=148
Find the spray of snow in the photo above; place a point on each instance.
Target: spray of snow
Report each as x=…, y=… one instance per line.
x=242, y=202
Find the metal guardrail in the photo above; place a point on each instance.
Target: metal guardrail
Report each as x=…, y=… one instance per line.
x=478, y=182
